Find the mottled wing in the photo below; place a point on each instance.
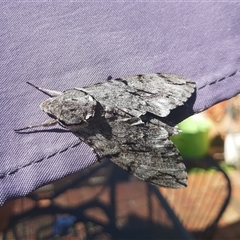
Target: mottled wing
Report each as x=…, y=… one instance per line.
x=149, y=154
x=143, y=150
x=154, y=93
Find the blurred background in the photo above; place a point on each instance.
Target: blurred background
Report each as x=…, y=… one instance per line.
x=105, y=202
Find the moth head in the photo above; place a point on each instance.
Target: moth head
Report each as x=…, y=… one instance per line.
x=72, y=109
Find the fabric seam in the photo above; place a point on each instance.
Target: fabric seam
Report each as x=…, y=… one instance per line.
x=219, y=80
x=38, y=161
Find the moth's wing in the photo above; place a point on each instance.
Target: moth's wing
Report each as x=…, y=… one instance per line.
x=149, y=154
x=145, y=151
x=163, y=92
x=154, y=93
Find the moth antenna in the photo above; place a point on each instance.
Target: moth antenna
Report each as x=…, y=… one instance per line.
x=47, y=123
x=50, y=93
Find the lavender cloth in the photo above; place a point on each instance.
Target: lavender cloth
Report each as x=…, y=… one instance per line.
x=65, y=45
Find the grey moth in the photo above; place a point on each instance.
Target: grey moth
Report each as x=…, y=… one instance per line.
x=121, y=119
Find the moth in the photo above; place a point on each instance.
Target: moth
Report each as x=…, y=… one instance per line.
x=122, y=119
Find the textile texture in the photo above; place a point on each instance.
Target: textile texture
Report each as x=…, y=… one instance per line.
x=64, y=45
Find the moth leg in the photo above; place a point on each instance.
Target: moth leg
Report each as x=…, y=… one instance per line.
x=94, y=150
x=51, y=93
x=47, y=123
x=99, y=158
x=139, y=122
x=134, y=121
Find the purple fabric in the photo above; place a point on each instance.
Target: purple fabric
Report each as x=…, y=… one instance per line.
x=65, y=45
